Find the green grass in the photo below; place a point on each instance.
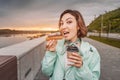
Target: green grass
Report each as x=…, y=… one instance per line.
x=109, y=41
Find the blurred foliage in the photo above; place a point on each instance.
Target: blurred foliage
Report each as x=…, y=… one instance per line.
x=111, y=22
x=109, y=41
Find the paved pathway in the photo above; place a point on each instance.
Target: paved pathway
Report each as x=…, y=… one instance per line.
x=110, y=61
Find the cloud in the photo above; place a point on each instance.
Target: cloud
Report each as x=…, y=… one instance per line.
x=28, y=13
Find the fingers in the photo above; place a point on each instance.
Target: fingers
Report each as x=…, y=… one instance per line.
x=77, y=65
x=51, y=45
x=75, y=56
x=76, y=59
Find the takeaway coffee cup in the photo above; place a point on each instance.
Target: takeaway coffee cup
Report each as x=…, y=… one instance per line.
x=71, y=49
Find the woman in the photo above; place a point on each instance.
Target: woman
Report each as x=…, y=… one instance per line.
x=81, y=65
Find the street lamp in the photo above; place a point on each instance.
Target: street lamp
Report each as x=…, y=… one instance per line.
x=101, y=25
x=109, y=27
x=101, y=30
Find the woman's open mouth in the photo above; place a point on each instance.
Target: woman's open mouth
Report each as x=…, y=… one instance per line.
x=66, y=33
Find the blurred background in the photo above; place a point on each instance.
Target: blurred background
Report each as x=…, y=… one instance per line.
x=24, y=20
x=28, y=19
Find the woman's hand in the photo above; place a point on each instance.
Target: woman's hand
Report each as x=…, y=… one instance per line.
x=76, y=59
x=51, y=45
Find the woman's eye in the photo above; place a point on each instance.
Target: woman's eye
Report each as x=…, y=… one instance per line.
x=69, y=22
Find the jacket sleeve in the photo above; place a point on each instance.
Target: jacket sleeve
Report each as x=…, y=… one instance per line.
x=91, y=71
x=48, y=63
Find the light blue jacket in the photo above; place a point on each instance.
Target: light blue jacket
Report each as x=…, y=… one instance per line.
x=53, y=64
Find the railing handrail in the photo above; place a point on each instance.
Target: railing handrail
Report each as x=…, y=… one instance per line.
x=22, y=48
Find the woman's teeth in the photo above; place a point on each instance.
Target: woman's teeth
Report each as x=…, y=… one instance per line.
x=66, y=33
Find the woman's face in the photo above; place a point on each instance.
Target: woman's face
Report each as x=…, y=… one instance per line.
x=68, y=27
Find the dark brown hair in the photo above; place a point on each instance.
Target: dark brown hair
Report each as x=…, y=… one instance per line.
x=82, y=32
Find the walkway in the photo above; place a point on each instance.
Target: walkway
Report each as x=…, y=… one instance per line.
x=110, y=61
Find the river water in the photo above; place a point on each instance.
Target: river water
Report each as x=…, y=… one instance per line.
x=8, y=40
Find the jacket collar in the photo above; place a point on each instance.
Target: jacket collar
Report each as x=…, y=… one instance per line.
x=83, y=48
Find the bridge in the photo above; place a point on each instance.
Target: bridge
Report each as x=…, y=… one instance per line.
x=23, y=61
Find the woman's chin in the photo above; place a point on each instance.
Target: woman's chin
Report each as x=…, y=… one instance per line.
x=66, y=38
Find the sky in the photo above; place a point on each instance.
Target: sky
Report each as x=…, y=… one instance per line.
x=44, y=14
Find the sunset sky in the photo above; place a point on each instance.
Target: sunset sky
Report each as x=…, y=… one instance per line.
x=44, y=14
